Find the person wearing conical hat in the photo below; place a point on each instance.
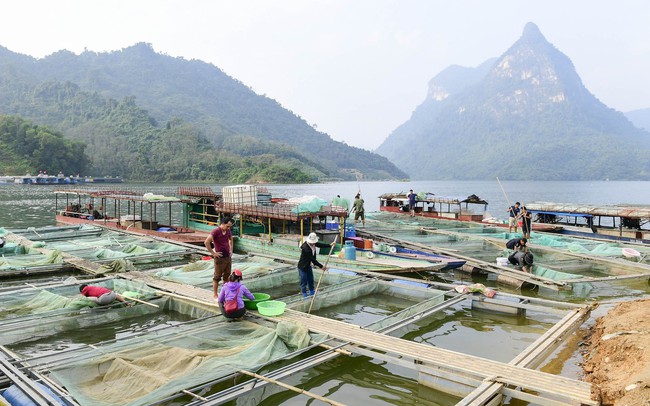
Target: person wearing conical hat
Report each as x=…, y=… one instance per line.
x=307, y=259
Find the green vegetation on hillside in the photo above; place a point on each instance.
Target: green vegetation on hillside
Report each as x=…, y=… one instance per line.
x=29, y=148
x=123, y=140
x=191, y=106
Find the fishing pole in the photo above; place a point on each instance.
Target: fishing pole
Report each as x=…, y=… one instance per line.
x=322, y=273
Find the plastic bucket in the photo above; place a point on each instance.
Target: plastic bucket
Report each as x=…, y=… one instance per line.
x=350, y=252
x=630, y=253
x=259, y=298
x=271, y=308
x=502, y=261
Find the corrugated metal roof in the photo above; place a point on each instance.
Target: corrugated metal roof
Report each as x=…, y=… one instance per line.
x=633, y=212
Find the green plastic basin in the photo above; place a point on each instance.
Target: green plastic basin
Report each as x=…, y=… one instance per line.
x=271, y=308
x=259, y=298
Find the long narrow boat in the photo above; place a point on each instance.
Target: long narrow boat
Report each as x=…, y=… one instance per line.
x=449, y=208
x=621, y=222
x=125, y=210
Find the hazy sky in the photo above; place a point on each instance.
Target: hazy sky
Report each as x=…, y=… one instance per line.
x=356, y=69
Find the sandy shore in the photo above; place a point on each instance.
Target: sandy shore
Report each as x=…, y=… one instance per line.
x=618, y=358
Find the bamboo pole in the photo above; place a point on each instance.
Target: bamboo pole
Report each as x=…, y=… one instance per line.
x=141, y=301
x=292, y=388
x=322, y=273
x=194, y=395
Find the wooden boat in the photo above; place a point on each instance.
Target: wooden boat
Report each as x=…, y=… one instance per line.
x=434, y=206
x=618, y=222
x=449, y=208
x=124, y=210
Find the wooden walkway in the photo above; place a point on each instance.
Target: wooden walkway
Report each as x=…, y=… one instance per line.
x=550, y=389
x=570, y=391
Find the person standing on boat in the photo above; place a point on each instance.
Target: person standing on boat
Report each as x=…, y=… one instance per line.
x=359, y=211
x=513, y=212
x=526, y=222
x=234, y=290
x=412, y=196
x=101, y=295
x=221, y=239
x=307, y=258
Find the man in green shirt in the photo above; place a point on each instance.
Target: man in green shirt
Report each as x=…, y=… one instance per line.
x=358, y=210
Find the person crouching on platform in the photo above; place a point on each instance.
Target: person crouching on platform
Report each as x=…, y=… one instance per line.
x=523, y=259
x=101, y=295
x=230, y=298
x=307, y=258
x=221, y=239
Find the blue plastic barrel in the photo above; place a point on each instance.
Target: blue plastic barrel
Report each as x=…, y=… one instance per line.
x=350, y=250
x=17, y=397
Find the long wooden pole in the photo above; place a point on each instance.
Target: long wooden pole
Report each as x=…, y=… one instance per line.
x=292, y=388
x=322, y=273
x=504, y=191
x=140, y=301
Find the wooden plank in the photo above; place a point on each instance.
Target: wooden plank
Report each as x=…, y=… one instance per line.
x=522, y=377
x=446, y=360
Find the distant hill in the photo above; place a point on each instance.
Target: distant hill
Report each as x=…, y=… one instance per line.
x=640, y=118
x=28, y=148
x=525, y=115
x=221, y=113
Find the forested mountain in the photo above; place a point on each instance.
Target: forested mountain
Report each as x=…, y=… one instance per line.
x=27, y=148
x=147, y=116
x=528, y=116
x=640, y=118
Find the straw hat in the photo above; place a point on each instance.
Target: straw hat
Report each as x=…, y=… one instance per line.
x=312, y=239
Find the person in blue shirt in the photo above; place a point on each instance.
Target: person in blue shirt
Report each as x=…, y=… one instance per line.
x=411, y=197
x=513, y=212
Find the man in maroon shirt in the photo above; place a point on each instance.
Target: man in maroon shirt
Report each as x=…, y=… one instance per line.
x=100, y=295
x=221, y=239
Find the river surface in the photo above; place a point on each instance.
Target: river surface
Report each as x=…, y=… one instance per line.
x=360, y=379
x=24, y=206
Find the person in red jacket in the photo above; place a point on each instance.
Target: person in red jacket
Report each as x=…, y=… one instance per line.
x=101, y=295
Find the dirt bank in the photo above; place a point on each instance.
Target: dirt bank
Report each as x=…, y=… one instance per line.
x=618, y=357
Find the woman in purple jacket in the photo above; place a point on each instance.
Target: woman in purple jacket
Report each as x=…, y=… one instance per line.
x=234, y=290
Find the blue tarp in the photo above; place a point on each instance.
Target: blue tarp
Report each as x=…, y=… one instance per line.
x=559, y=213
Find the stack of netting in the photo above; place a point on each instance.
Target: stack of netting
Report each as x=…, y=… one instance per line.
x=146, y=369
x=200, y=273
x=111, y=245
x=30, y=258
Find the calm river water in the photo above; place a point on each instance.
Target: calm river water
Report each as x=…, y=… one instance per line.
x=24, y=206
x=357, y=380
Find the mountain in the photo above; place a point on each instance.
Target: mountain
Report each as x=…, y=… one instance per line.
x=219, y=110
x=525, y=115
x=640, y=118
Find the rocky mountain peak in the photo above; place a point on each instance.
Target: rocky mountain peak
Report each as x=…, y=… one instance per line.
x=532, y=33
x=528, y=116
